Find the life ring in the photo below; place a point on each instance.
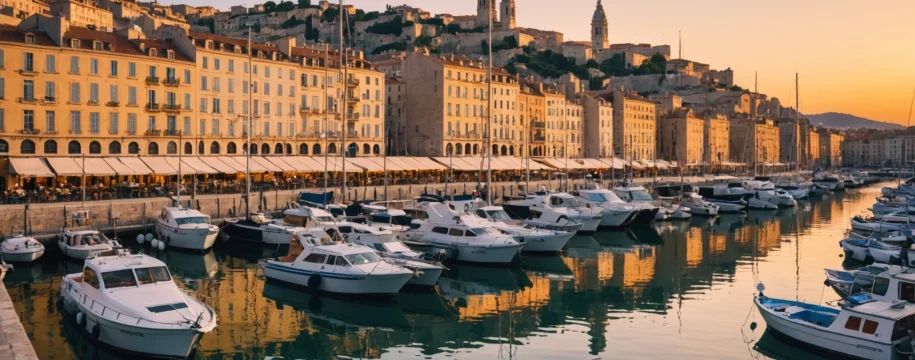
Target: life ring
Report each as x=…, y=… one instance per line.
x=314, y=282
x=96, y=331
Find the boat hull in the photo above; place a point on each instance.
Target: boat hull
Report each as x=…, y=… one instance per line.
x=258, y=234
x=611, y=218
x=727, y=206
x=855, y=252
x=366, y=284
x=188, y=239
x=544, y=243
x=83, y=252
x=22, y=256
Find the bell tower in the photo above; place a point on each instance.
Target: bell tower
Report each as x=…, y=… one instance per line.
x=599, y=37
x=485, y=11
x=508, y=14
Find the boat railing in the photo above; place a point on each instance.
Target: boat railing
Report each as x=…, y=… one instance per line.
x=111, y=314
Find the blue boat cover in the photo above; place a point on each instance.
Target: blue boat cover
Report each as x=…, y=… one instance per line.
x=859, y=299
x=317, y=198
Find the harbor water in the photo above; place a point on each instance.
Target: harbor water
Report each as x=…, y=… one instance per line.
x=675, y=290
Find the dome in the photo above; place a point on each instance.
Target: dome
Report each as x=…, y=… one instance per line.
x=599, y=13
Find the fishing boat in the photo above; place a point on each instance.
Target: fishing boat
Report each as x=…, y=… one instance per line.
x=870, y=225
x=80, y=244
x=445, y=230
x=20, y=249
x=131, y=302
x=861, y=328
x=320, y=264
x=186, y=229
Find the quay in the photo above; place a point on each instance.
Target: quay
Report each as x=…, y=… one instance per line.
x=14, y=342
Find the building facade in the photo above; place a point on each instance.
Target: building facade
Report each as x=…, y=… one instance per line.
x=634, y=126
x=717, y=138
x=682, y=137
x=754, y=141
x=598, y=127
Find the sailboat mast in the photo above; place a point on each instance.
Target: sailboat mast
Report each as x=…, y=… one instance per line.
x=797, y=128
x=344, y=127
x=84, y=181
x=489, y=101
x=178, y=188
x=326, y=125
x=250, y=127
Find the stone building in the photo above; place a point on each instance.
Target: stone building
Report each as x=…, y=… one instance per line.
x=717, y=136
x=864, y=153
x=572, y=129
x=634, y=126
x=754, y=141
x=83, y=13
x=508, y=14
x=600, y=37
x=395, y=115
x=486, y=13
x=507, y=132
x=22, y=9
x=555, y=116
x=533, y=109
x=830, y=148
x=682, y=137
x=598, y=127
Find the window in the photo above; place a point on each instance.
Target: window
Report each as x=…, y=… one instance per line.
x=114, y=68
x=131, y=70
x=187, y=76
x=75, y=122
x=151, y=123
x=231, y=86
x=113, y=123
x=187, y=101
x=870, y=327
x=94, y=123
x=203, y=83
x=28, y=119
x=440, y=230
x=50, y=92
x=113, y=93
x=363, y=258
x=315, y=258
x=203, y=127
x=50, y=124
x=187, y=127
x=853, y=323
x=341, y=261
x=907, y=291
x=881, y=285
x=74, y=92
x=28, y=89
x=131, y=95
x=216, y=64
x=118, y=278
x=215, y=127
x=50, y=147
x=93, y=66
x=74, y=65
x=28, y=62
x=93, y=93
x=455, y=232
x=231, y=65
x=203, y=105
x=132, y=123
x=50, y=64
x=90, y=277
x=2, y=64
x=206, y=62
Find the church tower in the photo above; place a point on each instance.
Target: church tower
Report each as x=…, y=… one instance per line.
x=508, y=14
x=485, y=11
x=599, y=36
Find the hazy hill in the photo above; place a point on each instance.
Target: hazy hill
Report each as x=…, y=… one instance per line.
x=834, y=120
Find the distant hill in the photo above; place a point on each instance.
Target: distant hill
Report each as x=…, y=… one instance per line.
x=834, y=120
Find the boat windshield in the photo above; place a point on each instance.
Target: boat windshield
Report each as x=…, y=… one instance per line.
x=152, y=274
x=484, y=231
x=324, y=218
x=596, y=197
x=498, y=215
x=191, y=220
x=118, y=278
x=363, y=258
x=640, y=195
x=567, y=202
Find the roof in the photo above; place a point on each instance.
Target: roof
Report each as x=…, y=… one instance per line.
x=10, y=33
x=578, y=43
x=884, y=309
x=121, y=262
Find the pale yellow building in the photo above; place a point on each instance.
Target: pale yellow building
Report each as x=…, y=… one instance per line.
x=23, y=8
x=634, y=126
x=830, y=148
x=598, y=127
x=533, y=113
x=83, y=13
x=682, y=137
x=864, y=153
x=506, y=127
x=754, y=141
x=555, y=106
x=717, y=138
x=572, y=128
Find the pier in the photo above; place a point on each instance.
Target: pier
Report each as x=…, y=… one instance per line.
x=14, y=342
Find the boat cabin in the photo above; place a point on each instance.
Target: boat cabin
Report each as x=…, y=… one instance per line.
x=128, y=271
x=175, y=216
x=83, y=237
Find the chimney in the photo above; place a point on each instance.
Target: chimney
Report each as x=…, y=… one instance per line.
x=286, y=44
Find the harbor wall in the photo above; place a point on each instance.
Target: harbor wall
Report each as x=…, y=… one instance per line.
x=14, y=341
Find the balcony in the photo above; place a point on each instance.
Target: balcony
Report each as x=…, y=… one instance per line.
x=152, y=107
x=538, y=124
x=352, y=82
x=304, y=86
x=172, y=82
x=172, y=108
x=469, y=135
x=30, y=131
x=131, y=132
x=27, y=72
x=28, y=100
x=49, y=101
x=352, y=100
x=172, y=132
x=152, y=80
x=51, y=132
x=113, y=103
x=153, y=132
x=352, y=117
x=352, y=135
x=304, y=111
x=92, y=102
x=112, y=132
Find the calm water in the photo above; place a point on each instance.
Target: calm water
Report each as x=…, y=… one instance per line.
x=676, y=290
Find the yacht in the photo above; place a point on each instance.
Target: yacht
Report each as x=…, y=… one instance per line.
x=870, y=249
x=870, y=225
x=131, y=302
x=766, y=190
x=554, y=211
x=320, y=264
x=258, y=229
x=20, y=249
x=861, y=328
x=637, y=196
x=689, y=199
x=533, y=239
x=849, y=282
x=186, y=229
x=80, y=244
x=730, y=197
x=798, y=190
x=445, y=230
x=830, y=182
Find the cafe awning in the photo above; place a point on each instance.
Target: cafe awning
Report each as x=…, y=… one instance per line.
x=65, y=166
x=98, y=167
x=217, y=164
x=158, y=165
x=118, y=166
x=30, y=167
x=137, y=167
x=255, y=167
x=303, y=164
x=264, y=163
x=283, y=162
x=365, y=163
x=200, y=166
x=233, y=163
x=185, y=169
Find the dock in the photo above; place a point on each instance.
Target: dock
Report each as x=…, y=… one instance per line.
x=14, y=342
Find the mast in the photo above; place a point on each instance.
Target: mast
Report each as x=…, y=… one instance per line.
x=84, y=181
x=178, y=189
x=797, y=127
x=489, y=104
x=250, y=127
x=326, y=125
x=526, y=150
x=345, y=126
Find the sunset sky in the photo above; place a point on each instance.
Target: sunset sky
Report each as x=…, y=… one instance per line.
x=855, y=57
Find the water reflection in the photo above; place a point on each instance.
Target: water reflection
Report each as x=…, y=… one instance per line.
x=684, y=284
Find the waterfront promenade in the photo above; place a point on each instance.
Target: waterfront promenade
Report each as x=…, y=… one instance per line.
x=14, y=342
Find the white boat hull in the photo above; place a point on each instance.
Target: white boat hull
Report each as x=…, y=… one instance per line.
x=855, y=252
x=190, y=239
x=22, y=256
x=727, y=207
x=876, y=226
x=613, y=218
x=799, y=193
x=883, y=255
x=758, y=204
x=367, y=284
x=427, y=277
x=702, y=210
x=487, y=254
x=544, y=243
x=810, y=334
x=83, y=252
x=589, y=224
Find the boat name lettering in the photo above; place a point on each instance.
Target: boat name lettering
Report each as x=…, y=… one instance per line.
x=131, y=333
x=871, y=348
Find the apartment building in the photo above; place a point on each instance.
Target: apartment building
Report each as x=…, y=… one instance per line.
x=533, y=110
x=754, y=141
x=634, y=126
x=555, y=129
x=507, y=130
x=23, y=8
x=831, y=148
x=572, y=127
x=395, y=115
x=717, y=138
x=682, y=137
x=598, y=127
x=83, y=13
x=71, y=90
x=864, y=153
x=364, y=107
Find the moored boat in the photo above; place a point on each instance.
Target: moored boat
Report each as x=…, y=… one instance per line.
x=20, y=249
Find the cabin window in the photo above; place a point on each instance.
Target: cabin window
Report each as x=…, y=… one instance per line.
x=853, y=323
x=346, y=229
x=455, y=232
x=907, y=291
x=90, y=277
x=119, y=278
x=331, y=259
x=152, y=274
x=902, y=327
x=363, y=258
x=440, y=230
x=474, y=232
x=315, y=258
x=881, y=285
x=341, y=261
x=379, y=247
x=870, y=327
x=481, y=213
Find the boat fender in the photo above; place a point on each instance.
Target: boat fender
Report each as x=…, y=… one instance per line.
x=154, y=243
x=149, y=237
x=314, y=282
x=161, y=245
x=826, y=282
x=96, y=331
x=80, y=319
x=140, y=239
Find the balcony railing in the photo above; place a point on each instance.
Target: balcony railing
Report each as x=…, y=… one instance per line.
x=352, y=116
x=172, y=82
x=113, y=103
x=153, y=132
x=352, y=135
x=470, y=135
x=30, y=131
x=152, y=107
x=27, y=100
x=27, y=72
x=352, y=82
x=538, y=124
x=49, y=100
x=131, y=132
x=352, y=99
x=172, y=108
x=92, y=102
x=151, y=80
x=172, y=132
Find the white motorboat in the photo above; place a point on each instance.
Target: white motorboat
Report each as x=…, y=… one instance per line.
x=832, y=183
x=446, y=230
x=554, y=211
x=81, y=244
x=849, y=282
x=798, y=190
x=730, y=197
x=862, y=328
x=132, y=303
x=899, y=217
x=755, y=202
x=258, y=229
x=870, y=225
x=320, y=264
x=615, y=213
x=20, y=249
x=867, y=249
x=766, y=190
x=533, y=239
x=684, y=194
x=637, y=196
x=186, y=229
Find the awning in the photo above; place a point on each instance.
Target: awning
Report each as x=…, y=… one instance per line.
x=65, y=166
x=264, y=163
x=255, y=167
x=200, y=166
x=137, y=167
x=233, y=163
x=118, y=166
x=158, y=165
x=312, y=163
x=282, y=163
x=98, y=167
x=30, y=167
x=217, y=164
x=366, y=163
x=185, y=169
x=303, y=164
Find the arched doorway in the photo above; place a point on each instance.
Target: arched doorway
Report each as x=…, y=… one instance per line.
x=476, y=149
x=288, y=149
x=189, y=148
x=27, y=147
x=95, y=147
x=366, y=149
x=200, y=148
x=459, y=149
x=265, y=149
x=4, y=147
x=171, y=148
x=114, y=147
x=376, y=149
x=352, y=150
x=511, y=151
x=449, y=149
x=332, y=148
x=278, y=149
x=133, y=148
x=467, y=149
x=253, y=149
x=303, y=149
x=214, y=148
x=316, y=150
x=50, y=147
x=495, y=149
x=504, y=150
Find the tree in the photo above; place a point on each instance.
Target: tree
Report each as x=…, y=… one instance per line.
x=293, y=22
x=484, y=46
x=592, y=64
x=304, y=4
x=310, y=31
x=285, y=6
x=453, y=28
x=329, y=15
x=269, y=6
x=393, y=27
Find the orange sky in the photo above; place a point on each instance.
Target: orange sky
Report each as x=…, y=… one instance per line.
x=855, y=57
